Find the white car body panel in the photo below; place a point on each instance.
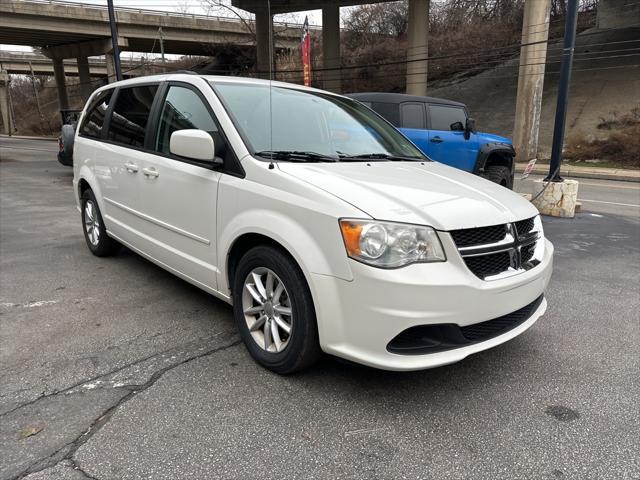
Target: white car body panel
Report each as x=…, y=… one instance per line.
x=188, y=218
x=426, y=193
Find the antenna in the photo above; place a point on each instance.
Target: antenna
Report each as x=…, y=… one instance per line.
x=271, y=166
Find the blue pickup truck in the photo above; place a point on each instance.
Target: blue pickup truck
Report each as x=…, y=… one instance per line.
x=444, y=131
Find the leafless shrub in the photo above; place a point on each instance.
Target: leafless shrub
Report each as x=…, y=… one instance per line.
x=614, y=121
x=621, y=146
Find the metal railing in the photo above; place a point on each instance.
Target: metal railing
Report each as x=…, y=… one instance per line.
x=165, y=13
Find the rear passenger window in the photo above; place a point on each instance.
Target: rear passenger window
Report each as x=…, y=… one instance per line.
x=442, y=116
x=130, y=115
x=184, y=109
x=94, y=119
x=412, y=115
x=390, y=111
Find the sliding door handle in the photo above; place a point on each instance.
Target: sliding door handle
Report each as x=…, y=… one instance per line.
x=150, y=172
x=131, y=167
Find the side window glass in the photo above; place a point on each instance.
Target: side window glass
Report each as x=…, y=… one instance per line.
x=183, y=109
x=130, y=115
x=412, y=115
x=94, y=120
x=390, y=112
x=443, y=116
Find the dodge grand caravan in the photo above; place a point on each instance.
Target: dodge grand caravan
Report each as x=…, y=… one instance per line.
x=324, y=227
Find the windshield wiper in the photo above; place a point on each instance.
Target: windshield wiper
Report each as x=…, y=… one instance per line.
x=296, y=156
x=382, y=156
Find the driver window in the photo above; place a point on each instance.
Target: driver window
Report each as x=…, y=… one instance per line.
x=442, y=117
x=183, y=109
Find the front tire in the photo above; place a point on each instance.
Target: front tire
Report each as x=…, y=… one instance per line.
x=274, y=311
x=95, y=233
x=500, y=175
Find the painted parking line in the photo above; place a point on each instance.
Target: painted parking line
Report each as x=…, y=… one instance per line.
x=603, y=184
x=610, y=203
x=608, y=185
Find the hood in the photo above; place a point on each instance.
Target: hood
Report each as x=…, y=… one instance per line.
x=425, y=194
x=490, y=138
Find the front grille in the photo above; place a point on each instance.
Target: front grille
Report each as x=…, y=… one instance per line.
x=478, y=236
x=424, y=339
x=527, y=252
x=479, y=332
x=486, y=265
x=524, y=226
x=489, y=251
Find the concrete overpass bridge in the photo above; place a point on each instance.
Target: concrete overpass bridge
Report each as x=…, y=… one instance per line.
x=53, y=23
x=22, y=63
x=67, y=30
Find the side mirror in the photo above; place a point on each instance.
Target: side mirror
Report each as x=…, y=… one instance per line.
x=195, y=145
x=457, y=127
x=469, y=128
x=470, y=125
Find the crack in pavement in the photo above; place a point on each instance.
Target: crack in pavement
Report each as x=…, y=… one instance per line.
x=94, y=378
x=76, y=466
x=67, y=451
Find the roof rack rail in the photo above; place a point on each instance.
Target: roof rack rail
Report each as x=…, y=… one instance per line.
x=189, y=72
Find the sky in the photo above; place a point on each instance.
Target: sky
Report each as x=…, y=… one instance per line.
x=187, y=6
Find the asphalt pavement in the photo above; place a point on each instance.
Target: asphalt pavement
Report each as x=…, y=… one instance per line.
x=115, y=369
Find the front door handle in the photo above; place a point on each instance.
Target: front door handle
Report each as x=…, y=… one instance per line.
x=436, y=140
x=131, y=167
x=150, y=172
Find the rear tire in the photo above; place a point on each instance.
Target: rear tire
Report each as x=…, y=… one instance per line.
x=67, y=137
x=500, y=175
x=95, y=233
x=274, y=311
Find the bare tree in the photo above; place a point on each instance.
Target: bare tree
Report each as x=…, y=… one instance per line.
x=224, y=8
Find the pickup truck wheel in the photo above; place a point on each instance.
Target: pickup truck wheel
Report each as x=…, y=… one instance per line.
x=95, y=233
x=499, y=174
x=274, y=311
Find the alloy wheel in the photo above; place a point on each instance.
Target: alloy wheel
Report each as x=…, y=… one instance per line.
x=91, y=222
x=267, y=309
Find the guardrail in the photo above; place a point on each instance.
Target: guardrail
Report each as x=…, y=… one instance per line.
x=165, y=13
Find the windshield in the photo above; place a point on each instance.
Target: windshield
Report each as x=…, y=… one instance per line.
x=311, y=125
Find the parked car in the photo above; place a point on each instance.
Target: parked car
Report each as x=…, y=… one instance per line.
x=444, y=131
x=324, y=227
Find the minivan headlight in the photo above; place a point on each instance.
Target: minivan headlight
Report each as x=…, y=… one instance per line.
x=390, y=245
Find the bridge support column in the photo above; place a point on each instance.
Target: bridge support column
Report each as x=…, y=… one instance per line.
x=111, y=67
x=5, y=108
x=61, y=85
x=264, y=23
x=535, y=30
x=332, y=79
x=418, y=48
x=84, y=77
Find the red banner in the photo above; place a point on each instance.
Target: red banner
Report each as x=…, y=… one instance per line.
x=306, y=53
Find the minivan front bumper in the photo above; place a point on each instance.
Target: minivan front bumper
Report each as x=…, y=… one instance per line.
x=366, y=314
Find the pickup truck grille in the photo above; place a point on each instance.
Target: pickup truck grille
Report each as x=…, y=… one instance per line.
x=494, y=250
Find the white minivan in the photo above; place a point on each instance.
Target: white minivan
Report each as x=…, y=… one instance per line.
x=324, y=227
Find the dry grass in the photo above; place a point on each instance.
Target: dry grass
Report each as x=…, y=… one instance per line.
x=620, y=147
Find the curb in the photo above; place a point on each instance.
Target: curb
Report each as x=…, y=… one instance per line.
x=577, y=172
x=27, y=137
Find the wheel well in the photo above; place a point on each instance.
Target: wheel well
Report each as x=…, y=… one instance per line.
x=83, y=186
x=499, y=159
x=242, y=245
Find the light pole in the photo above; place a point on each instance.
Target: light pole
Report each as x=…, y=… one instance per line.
x=563, y=91
x=114, y=39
